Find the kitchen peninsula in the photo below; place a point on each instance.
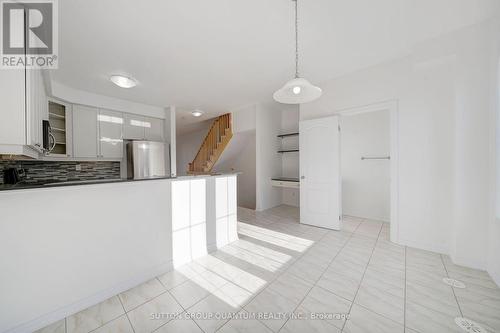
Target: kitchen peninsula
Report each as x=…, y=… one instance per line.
x=76, y=245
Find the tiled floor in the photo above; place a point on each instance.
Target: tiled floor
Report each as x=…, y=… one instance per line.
x=281, y=267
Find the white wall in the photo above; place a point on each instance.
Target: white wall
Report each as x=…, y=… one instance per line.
x=290, y=161
x=268, y=126
x=494, y=228
x=472, y=150
x=187, y=147
x=366, y=183
x=76, y=96
x=425, y=101
x=244, y=118
x=239, y=156
x=444, y=154
x=171, y=140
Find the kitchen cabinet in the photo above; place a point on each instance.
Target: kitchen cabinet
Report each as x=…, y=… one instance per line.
x=133, y=128
x=23, y=106
x=154, y=129
x=12, y=107
x=85, y=131
x=110, y=134
x=138, y=127
x=37, y=108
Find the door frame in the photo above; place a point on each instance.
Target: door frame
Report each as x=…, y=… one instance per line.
x=392, y=107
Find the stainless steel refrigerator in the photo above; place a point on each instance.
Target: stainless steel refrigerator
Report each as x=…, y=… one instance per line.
x=145, y=159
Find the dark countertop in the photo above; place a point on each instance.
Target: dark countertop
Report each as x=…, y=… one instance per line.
x=61, y=183
x=286, y=179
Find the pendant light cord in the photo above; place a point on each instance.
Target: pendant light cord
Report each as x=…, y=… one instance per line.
x=296, y=41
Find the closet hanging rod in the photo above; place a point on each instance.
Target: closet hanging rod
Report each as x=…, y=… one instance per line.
x=376, y=158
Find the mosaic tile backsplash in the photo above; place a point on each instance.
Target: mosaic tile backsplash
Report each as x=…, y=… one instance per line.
x=43, y=171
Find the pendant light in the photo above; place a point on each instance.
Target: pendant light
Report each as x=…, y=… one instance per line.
x=297, y=90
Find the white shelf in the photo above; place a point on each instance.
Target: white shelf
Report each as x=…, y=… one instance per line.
x=285, y=183
x=55, y=115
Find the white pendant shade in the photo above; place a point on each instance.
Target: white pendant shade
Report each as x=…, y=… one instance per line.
x=297, y=91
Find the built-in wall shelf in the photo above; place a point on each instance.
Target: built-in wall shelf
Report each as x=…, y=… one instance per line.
x=286, y=179
x=288, y=151
x=55, y=115
x=285, y=182
x=58, y=119
x=287, y=135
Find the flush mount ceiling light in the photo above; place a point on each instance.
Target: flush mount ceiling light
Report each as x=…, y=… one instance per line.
x=197, y=113
x=297, y=90
x=123, y=81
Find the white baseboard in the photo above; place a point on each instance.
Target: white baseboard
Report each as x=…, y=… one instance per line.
x=460, y=261
x=442, y=249
x=374, y=218
x=494, y=273
x=84, y=303
x=212, y=248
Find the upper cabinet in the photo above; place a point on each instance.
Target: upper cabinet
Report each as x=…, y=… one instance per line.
x=154, y=129
x=133, y=128
x=138, y=127
x=110, y=134
x=85, y=131
x=12, y=107
x=37, y=108
x=23, y=106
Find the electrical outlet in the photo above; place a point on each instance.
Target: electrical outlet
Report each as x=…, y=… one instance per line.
x=78, y=167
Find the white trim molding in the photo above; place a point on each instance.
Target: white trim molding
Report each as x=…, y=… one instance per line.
x=392, y=107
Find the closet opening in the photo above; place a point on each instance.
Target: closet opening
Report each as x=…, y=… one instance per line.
x=368, y=169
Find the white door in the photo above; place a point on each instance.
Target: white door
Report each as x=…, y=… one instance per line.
x=155, y=130
x=133, y=128
x=110, y=134
x=85, y=131
x=320, y=185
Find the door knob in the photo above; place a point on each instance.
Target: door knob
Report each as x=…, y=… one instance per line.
x=302, y=177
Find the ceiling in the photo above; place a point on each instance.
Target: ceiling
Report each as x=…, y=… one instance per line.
x=220, y=54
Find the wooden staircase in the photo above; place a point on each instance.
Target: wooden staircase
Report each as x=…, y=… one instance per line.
x=213, y=145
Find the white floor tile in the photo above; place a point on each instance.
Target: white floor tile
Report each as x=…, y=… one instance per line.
x=211, y=313
x=118, y=325
x=95, y=316
x=362, y=320
x=57, y=327
x=320, y=300
x=381, y=302
x=280, y=267
x=182, y=325
x=154, y=313
x=141, y=294
x=309, y=326
x=244, y=324
x=339, y=284
x=268, y=302
x=423, y=319
x=172, y=279
x=190, y=293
